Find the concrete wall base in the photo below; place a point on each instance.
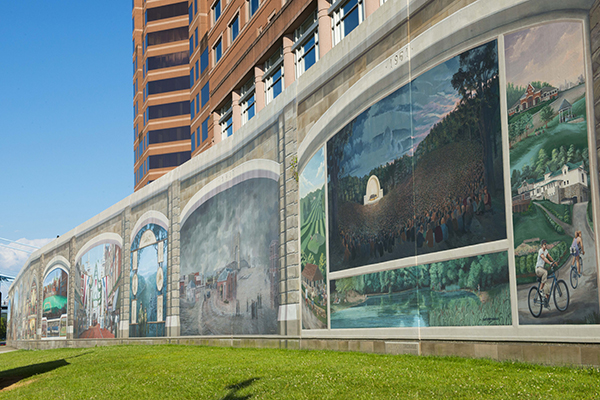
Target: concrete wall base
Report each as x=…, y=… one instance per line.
x=572, y=354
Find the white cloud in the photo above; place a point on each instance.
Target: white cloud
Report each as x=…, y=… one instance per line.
x=11, y=261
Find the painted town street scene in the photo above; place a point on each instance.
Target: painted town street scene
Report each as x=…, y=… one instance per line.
x=312, y=243
x=97, y=276
x=230, y=261
x=549, y=164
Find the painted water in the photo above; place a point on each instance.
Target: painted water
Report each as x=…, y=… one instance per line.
x=410, y=308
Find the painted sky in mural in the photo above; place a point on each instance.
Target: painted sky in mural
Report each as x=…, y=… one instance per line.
x=229, y=262
x=550, y=53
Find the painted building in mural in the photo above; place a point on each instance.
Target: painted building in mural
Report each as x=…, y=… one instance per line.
x=385, y=193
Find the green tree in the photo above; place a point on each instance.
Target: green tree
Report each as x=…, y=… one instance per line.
x=323, y=264
x=571, y=153
x=562, y=156
x=477, y=83
x=546, y=114
x=542, y=162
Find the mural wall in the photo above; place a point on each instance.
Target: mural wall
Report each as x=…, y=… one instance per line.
x=97, y=279
x=148, y=282
x=54, y=303
x=457, y=195
x=230, y=260
x=554, y=237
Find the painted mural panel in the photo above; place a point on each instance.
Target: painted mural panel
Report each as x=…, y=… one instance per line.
x=312, y=243
x=421, y=170
x=97, y=278
x=549, y=162
x=31, y=310
x=470, y=291
x=148, y=282
x=54, y=305
x=229, y=262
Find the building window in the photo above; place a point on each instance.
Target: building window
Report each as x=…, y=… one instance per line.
x=216, y=9
x=190, y=14
x=273, y=76
x=196, y=38
x=306, y=46
x=204, y=130
x=205, y=94
x=197, y=103
x=346, y=17
x=226, y=121
x=168, y=60
x=193, y=143
x=193, y=109
x=253, y=6
x=192, y=77
x=248, y=101
x=218, y=50
x=192, y=44
x=204, y=60
x=234, y=28
x=197, y=70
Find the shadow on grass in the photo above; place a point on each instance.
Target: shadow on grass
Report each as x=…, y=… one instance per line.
x=12, y=376
x=233, y=389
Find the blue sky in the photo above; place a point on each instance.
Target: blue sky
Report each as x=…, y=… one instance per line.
x=66, y=117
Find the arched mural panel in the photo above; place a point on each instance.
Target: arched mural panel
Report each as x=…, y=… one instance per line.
x=55, y=302
x=97, y=294
x=229, y=260
x=148, y=282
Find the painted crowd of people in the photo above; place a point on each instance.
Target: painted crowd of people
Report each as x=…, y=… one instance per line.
x=444, y=210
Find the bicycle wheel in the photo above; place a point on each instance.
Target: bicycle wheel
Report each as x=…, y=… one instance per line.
x=535, y=302
x=574, y=278
x=561, y=295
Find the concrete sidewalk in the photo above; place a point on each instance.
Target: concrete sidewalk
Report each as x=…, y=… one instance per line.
x=6, y=349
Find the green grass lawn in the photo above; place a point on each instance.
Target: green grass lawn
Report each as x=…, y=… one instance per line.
x=194, y=372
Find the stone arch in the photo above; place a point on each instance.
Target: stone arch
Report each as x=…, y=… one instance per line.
x=103, y=238
x=149, y=217
x=248, y=170
x=56, y=262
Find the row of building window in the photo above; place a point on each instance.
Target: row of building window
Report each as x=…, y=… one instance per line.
x=169, y=160
x=168, y=110
x=253, y=6
x=166, y=36
x=200, y=135
x=167, y=60
x=164, y=12
x=167, y=85
x=169, y=135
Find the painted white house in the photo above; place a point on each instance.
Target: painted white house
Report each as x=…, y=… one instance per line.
x=560, y=186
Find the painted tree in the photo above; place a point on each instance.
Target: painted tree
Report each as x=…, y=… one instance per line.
x=477, y=83
x=546, y=114
x=571, y=153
